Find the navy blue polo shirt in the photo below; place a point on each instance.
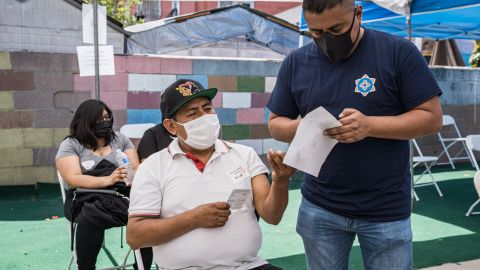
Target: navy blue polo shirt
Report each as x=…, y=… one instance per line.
x=385, y=76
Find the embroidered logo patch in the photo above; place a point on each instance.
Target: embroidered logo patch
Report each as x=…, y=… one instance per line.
x=365, y=85
x=187, y=89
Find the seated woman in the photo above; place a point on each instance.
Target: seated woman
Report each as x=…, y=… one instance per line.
x=86, y=159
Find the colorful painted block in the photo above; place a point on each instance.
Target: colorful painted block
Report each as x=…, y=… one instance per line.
x=53, y=80
x=251, y=84
x=274, y=145
x=37, y=137
x=218, y=100
x=120, y=64
x=224, y=83
x=260, y=132
x=115, y=100
x=5, y=60
x=16, y=80
x=227, y=116
x=69, y=99
x=44, y=61
x=143, y=100
x=152, y=116
x=177, y=66
x=215, y=67
x=149, y=82
x=144, y=64
x=52, y=118
x=6, y=100
x=11, y=138
x=258, y=68
x=235, y=132
x=117, y=82
x=44, y=156
x=270, y=84
x=259, y=100
x=134, y=116
x=17, y=157
x=203, y=79
x=251, y=116
x=267, y=115
x=236, y=100
x=16, y=119
x=257, y=145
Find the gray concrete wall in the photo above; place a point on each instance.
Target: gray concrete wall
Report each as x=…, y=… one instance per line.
x=45, y=26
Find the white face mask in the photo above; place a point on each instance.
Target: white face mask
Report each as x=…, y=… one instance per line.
x=202, y=132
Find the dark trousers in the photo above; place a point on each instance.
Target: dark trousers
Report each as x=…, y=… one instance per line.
x=266, y=267
x=88, y=243
x=147, y=258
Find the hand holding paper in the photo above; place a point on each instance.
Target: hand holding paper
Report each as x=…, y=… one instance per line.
x=281, y=171
x=310, y=147
x=355, y=127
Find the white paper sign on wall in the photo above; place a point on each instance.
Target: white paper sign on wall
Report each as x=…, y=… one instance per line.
x=86, y=60
x=87, y=24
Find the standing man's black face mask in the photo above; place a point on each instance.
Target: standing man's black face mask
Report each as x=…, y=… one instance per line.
x=103, y=129
x=337, y=47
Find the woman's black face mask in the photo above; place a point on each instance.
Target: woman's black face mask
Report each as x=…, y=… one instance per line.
x=103, y=129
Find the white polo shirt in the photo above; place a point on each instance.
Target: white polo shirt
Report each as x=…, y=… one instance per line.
x=168, y=183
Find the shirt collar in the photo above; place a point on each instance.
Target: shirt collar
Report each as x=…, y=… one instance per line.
x=174, y=149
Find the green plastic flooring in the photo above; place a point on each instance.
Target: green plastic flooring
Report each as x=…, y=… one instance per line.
x=32, y=237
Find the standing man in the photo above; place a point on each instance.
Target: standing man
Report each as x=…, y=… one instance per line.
x=384, y=94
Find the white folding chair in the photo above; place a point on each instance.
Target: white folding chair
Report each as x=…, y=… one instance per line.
x=135, y=131
x=427, y=162
x=63, y=187
x=473, y=144
x=448, y=142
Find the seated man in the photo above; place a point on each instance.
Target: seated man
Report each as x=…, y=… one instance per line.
x=178, y=198
x=153, y=140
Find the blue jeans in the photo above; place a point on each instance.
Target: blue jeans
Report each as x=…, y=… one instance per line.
x=328, y=239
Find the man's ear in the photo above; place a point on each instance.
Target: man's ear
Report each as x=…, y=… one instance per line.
x=170, y=127
x=359, y=13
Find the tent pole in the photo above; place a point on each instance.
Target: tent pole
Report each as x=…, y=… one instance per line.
x=95, y=45
x=409, y=20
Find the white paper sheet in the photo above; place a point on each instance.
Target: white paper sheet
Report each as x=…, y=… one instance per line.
x=87, y=24
x=310, y=147
x=237, y=198
x=86, y=60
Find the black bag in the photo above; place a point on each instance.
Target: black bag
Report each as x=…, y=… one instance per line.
x=102, y=208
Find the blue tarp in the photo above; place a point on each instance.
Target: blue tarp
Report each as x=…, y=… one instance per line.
x=435, y=19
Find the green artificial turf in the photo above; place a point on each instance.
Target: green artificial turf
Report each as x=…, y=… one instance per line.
x=31, y=237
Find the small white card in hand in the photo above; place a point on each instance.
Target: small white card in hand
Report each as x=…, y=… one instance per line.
x=237, y=198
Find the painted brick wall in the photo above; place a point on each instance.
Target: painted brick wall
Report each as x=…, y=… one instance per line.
x=40, y=91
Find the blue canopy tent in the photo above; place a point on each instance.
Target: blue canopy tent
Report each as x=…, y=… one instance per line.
x=435, y=19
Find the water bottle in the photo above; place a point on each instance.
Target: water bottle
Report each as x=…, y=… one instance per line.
x=122, y=161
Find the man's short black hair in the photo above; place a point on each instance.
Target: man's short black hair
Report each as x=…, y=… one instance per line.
x=318, y=6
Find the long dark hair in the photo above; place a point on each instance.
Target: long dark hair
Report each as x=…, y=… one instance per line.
x=82, y=127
